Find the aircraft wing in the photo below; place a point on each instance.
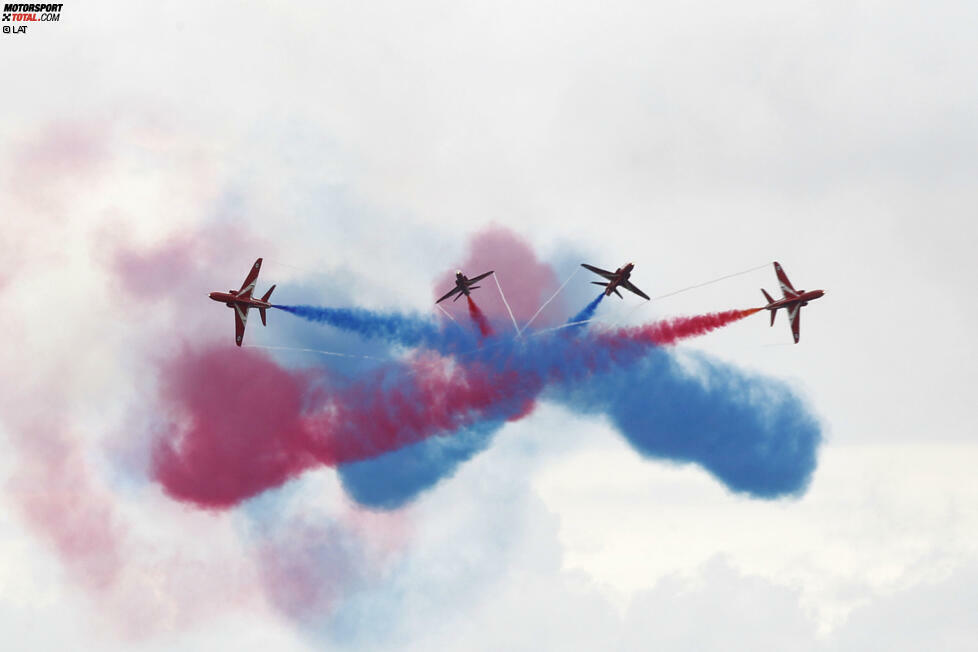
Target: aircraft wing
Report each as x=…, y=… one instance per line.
x=479, y=277
x=454, y=290
x=786, y=287
x=631, y=288
x=249, y=283
x=795, y=317
x=240, y=319
x=600, y=272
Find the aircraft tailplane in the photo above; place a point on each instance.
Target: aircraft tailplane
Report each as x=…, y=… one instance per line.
x=767, y=296
x=599, y=283
x=261, y=311
x=774, y=313
x=268, y=294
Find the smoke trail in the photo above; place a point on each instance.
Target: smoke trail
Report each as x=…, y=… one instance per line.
x=221, y=453
x=752, y=433
x=670, y=331
x=502, y=295
x=588, y=311
x=243, y=431
x=552, y=297
x=478, y=318
x=395, y=328
x=242, y=425
x=408, y=471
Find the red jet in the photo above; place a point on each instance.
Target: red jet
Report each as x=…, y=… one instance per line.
x=463, y=285
x=793, y=301
x=616, y=279
x=242, y=301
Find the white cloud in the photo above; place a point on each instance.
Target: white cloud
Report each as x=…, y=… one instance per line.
x=875, y=520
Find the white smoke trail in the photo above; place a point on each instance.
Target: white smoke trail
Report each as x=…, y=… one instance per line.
x=554, y=296
x=320, y=351
x=515, y=325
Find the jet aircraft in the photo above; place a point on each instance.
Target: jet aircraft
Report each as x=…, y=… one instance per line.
x=792, y=302
x=616, y=279
x=242, y=301
x=464, y=285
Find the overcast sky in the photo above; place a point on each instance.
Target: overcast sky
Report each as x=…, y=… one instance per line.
x=359, y=147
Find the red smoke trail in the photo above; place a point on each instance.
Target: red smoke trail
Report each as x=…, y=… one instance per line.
x=238, y=426
x=670, y=331
x=241, y=424
x=437, y=397
x=235, y=426
x=480, y=320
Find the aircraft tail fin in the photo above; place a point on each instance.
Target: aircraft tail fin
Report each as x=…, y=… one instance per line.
x=599, y=283
x=474, y=287
x=618, y=293
x=261, y=311
x=774, y=313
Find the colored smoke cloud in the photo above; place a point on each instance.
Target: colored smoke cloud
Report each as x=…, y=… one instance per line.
x=750, y=432
x=399, y=329
x=242, y=424
x=670, y=331
x=526, y=280
x=238, y=423
x=61, y=500
x=478, y=318
x=249, y=425
x=588, y=311
x=235, y=429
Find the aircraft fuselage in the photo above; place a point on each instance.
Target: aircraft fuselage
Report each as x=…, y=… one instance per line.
x=462, y=283
x=622, y=274
x=801, y=300
x=230, y=298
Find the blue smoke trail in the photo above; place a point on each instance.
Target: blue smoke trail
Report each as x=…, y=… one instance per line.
x=588, y=311
x=395, y=478
x=752, y=433
x=400, y=329
x=299, y=333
